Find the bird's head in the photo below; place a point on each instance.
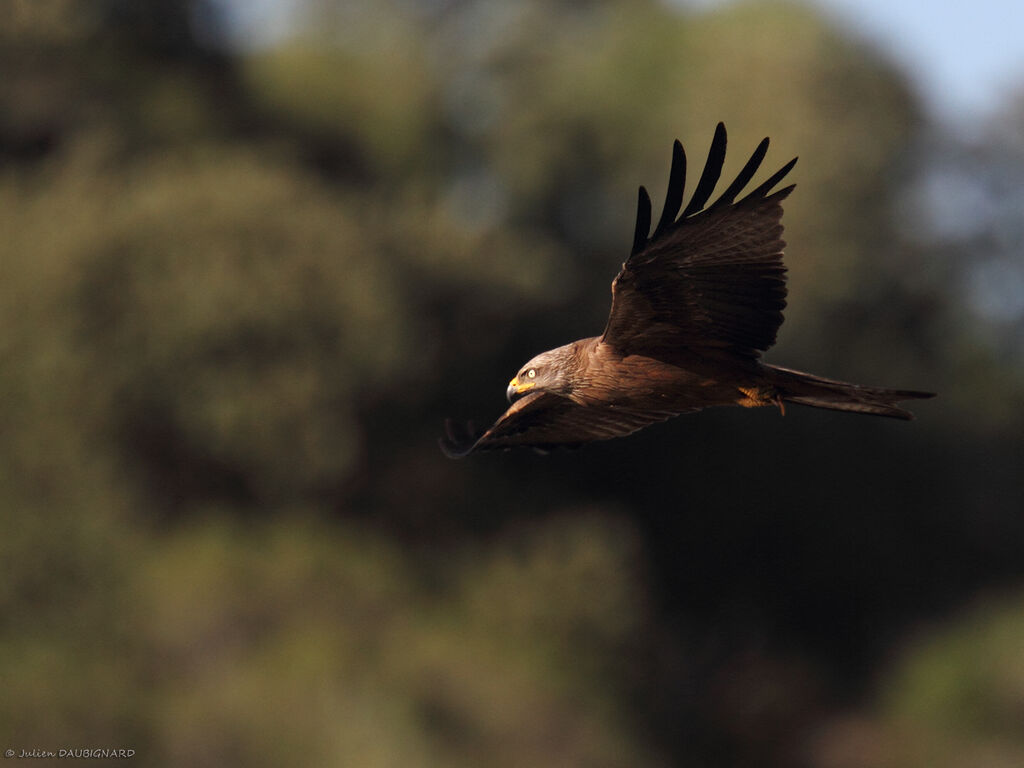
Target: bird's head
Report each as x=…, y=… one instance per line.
x=543, y=373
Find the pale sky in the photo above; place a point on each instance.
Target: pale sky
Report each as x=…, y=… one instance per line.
x=966, y=57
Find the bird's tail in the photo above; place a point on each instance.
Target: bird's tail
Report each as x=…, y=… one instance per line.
x=807, y=389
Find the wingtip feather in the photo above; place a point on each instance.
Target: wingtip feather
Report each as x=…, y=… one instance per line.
x=772, y=180
x=744, y=176
x=643, y=220
x=712, y=172
x=458, y=440
x=674, y=194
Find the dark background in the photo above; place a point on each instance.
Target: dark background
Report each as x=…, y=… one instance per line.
x=243, y=286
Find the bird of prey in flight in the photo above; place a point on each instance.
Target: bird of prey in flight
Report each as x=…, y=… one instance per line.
x=694, y=306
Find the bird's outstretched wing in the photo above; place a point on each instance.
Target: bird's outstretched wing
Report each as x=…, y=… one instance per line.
x=711, y=278
x=543, y=421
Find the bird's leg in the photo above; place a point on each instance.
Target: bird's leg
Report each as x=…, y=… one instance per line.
x=756, y=397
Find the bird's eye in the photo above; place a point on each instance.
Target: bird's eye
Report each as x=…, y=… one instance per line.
x=531, y=373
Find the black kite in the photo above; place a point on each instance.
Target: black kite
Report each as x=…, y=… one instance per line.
x=693, y=307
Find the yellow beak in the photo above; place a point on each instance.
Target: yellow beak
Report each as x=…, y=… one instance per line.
x=515, y=388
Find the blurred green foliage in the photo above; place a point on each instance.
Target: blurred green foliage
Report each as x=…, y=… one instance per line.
x=241, y=288
x=953, y=699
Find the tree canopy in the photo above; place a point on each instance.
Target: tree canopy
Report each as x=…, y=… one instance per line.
x=243, y=285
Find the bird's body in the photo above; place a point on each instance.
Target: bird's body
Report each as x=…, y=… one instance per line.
x=606, y=376
x=692, y=309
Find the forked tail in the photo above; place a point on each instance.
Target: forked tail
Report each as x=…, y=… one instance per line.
x=807, y=389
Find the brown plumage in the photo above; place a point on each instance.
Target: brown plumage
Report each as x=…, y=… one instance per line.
x=693, y=307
